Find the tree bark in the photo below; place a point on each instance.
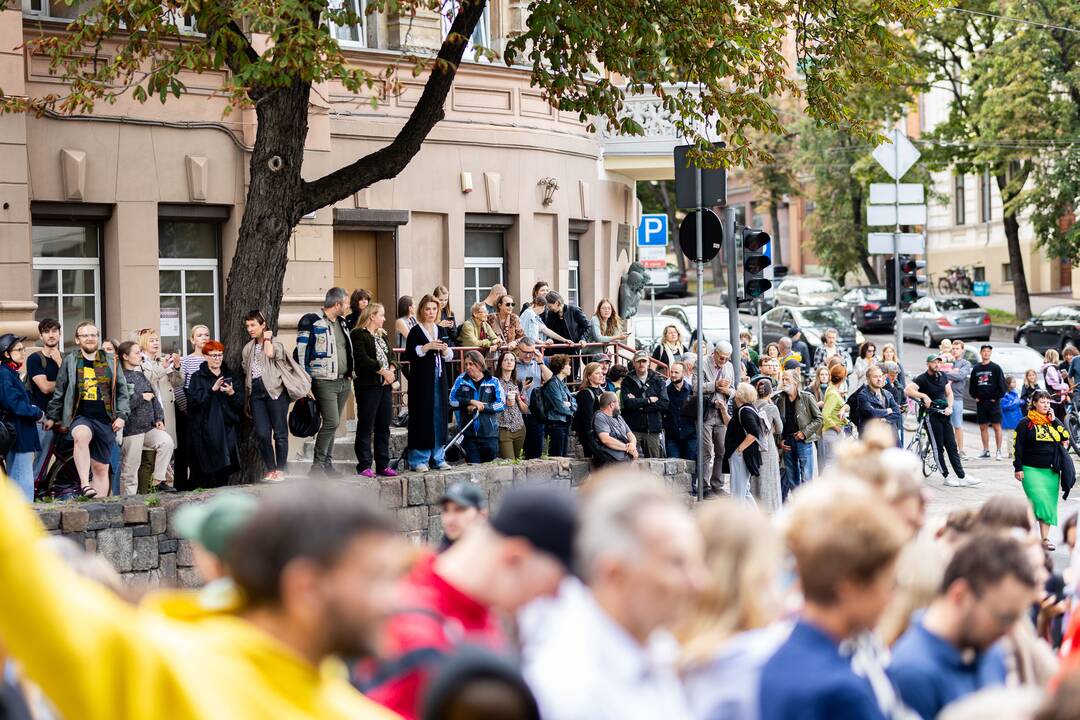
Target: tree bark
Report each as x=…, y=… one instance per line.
x=1021, y=296
x=774, y=218
x=857, y=220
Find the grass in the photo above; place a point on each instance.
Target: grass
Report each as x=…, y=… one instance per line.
x=1002, y=317
x=152, y=500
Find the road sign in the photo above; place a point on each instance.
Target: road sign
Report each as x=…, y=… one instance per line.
x=886, y=214
x=653, y=230
x=885, y=193
x=653, y=256
x=910, y=243
x=712, y=236
x=896, y=154
x=713, y=182
x=658, y=277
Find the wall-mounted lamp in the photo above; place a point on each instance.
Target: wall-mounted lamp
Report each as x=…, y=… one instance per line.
x=466, y=182
x=550, y=185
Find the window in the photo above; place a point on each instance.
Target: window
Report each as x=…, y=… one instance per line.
x=483, y=263
x=1006, y=272
x=188, y=276
x=959, y=210
x=986, y=207
x=355, y=35
x=978, y=274
x=573, y=291
x=67, y=274
x=58, y=8
x=481, y=36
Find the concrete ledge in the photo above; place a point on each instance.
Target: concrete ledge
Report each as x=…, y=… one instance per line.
x=136, y=534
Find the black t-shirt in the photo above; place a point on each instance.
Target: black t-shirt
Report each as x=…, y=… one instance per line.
x=91, y=402
x=557, y=323
x=987, y=382
x=932, y=385
x=791, y=425
x=41, y=364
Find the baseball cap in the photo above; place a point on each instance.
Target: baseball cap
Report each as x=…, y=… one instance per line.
x=545, y=516
x=465, y=494
x=601, y=358
x=932, y=357
x=214, y=523
x=792, y=364
x=641, y=355
x=792, y=332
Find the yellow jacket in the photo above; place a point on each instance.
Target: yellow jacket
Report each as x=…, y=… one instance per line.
x=99, y=658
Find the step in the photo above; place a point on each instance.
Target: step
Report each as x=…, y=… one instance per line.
x=342, y=450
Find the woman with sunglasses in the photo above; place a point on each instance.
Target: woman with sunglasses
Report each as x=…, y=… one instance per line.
x=506, y=323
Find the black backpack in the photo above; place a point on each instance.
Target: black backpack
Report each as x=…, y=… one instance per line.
x=538, y=405
x=305, y=420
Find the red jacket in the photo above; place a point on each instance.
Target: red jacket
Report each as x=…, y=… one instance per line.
x=436, y=616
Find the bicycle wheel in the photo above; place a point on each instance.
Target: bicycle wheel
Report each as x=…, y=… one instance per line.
x=944, y=286
x=1072, y=424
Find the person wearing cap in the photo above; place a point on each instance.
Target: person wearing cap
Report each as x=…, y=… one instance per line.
x=20, y=414
x=799, y=347
x=610, y=653
x=455, y=598
x=604, y=361
x=718, y=377
x=644, y=401
x=463, y=504
x=210, y=527
x=934, y=391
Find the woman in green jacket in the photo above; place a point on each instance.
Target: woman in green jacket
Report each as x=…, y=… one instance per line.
x=1038, y=439
x=476, y=331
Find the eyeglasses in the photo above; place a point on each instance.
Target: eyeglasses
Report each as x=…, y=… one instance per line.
x=87, y=335
x=216, y=356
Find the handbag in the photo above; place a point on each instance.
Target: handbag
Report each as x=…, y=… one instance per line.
x=305, y=420
x=295, y=379
x=7, y=433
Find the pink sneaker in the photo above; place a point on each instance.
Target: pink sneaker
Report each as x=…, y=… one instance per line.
x=368, y=473
x=388, y=472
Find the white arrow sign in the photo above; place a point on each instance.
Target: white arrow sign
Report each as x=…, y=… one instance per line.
x=886, y=215
x=885, y=194
x=897, y=155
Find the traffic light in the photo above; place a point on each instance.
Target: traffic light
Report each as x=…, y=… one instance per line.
x=910, y=279
x=755, y=284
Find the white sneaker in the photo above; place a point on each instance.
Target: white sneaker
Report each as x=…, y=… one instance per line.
x=1001, y=456
x=964, y=455
x=968, y=481
x=952, y=482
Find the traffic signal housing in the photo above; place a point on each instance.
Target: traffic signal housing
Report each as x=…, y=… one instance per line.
x=910, y=279
x=755, y=284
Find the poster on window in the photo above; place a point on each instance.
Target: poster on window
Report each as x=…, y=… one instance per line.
x=170, y=322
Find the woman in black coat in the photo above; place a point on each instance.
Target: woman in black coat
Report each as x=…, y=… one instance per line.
x=373, y=387
x=427, y=355
x=215, y=402
x=588, y=403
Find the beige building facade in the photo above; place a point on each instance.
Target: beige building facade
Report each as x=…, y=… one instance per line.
x=129, y=217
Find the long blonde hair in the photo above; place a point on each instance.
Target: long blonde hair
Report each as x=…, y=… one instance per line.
x=366, y=314
x=742, y=558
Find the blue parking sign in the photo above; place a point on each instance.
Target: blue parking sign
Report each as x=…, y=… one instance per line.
x=653, y=231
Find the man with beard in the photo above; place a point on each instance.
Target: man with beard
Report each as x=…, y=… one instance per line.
x=949, y=652
x=316, y=570
x=42, y=368
x=873, y=402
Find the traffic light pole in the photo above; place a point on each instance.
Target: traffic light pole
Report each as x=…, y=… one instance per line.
x=732, y=288
x=896, y=267
x=700, y=268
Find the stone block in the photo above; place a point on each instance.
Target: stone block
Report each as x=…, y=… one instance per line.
x=434, y=486
x=104, y=515
x=144, y=555
x=501, y=473
x=141, y=531
x=188, y=577
x=671, y=467
x=417, y=493
x=578, y=473
x=390, y=494
x=74, y=520
x=115, y=545
x=540, y=473
x=168, y=545
x=412, y=519
x=78, y=538
x=520, y=475
x=90, y=544
x=50, y=519
x=136, y=514
x=495, y=491
x=158, y=520
x=434, y=528
x=167, y=568
x=184, y=556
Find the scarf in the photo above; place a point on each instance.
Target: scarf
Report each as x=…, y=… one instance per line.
x=12, y=365
x=1037, y=418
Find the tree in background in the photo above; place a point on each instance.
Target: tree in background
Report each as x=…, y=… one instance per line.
x=714, y=65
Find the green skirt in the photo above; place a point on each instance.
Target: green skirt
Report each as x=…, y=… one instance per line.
x=1041, y=487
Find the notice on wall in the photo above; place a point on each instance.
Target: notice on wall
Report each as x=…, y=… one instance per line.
x=170, y=322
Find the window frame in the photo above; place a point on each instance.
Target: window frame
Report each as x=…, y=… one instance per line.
x=60, y=264
x=362, y=27
x=573, y=270
x=959, y=200
x=986, y=198
x=483, y=28
x=168, y=214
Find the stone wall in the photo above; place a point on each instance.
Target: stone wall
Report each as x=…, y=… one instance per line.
x=136, y=534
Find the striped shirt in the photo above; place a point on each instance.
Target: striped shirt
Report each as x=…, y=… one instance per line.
x=189, y=364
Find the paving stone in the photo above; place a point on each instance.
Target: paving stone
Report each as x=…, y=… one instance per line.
x=434, y=487
x=412, y=519
x=390, y=494
x=184, y=556
x=417, y=494
x=167, y=568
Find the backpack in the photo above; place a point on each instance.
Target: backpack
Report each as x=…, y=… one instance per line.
x=305, y=420
x=855, y=413
x=538, y=405
x=304, y=326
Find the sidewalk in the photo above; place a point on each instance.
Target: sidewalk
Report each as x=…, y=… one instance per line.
x=1039, y=303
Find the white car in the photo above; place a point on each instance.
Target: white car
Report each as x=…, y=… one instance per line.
x=714, y=317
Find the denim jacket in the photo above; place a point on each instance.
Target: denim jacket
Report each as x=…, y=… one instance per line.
x=317, y=351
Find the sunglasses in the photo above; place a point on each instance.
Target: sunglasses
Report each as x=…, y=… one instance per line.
x=508, y=304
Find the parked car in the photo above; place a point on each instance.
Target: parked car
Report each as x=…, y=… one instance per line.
x=677, y=286
x=954, y=317
x=1015, y=360
x=865, y=304
x=645, y=336
x=1054, y=327
x=802, y=291
x=813, y=322
x=715, y=319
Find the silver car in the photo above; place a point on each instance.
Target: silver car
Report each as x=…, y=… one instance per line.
x=807, y=291
x=649, y=329
x=934, y=318
x=714, y=317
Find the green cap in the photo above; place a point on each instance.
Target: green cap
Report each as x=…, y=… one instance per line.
x=932, y=358
x=213, y=523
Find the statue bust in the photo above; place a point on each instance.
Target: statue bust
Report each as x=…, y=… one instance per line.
x=633, y=282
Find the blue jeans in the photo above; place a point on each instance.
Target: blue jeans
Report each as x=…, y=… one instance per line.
x=684, y=448
x=798, y=465
x=20, y=467
x=740, y=479
x=45, y=437
x=534, y=437
x=432, y=457
x=114, y=470
x=558, y=439
x=480, y=449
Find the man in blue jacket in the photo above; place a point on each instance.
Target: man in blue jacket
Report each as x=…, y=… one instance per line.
x=478, y=398
x=845, y=542
x=874, y=402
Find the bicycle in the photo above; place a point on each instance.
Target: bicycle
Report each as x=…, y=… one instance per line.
x=1072, y=424
x=957, y=281
x=923, y=444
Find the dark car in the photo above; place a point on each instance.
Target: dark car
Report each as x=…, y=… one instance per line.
x=677, y=286
x=813, y=322
x=1054, y=327
x=866, y=306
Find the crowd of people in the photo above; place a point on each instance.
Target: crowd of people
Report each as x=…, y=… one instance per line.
x=617, y=602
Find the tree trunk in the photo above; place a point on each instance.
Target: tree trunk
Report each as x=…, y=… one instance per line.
x=1021, y=297
x=662, y=194
x=868, y=268
x=857, y=221
x=774, y=218
x=258, y=267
